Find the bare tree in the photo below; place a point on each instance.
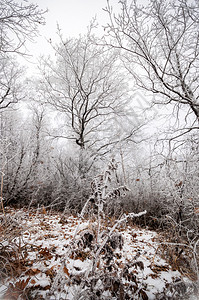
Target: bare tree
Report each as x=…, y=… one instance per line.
x=18, y=22
x=85, y=84
x=25, y=152
x=11, y=88
x=159, y=46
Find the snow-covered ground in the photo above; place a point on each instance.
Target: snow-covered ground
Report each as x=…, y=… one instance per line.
x=52, y=260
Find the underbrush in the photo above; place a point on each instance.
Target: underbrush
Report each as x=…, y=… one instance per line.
x=98, y=253
x=51, y=256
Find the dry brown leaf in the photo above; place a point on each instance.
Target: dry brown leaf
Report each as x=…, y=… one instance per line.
x=143, y=294
x=33, y=281
x=45, y=253
x=46, y=287
x=66, y=271
x=14, y=291
x=50, y=272
x=32, y=272
x=44, y=210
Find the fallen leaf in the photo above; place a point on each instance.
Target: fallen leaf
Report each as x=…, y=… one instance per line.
x=45, y=253
x=44, y=210
x=14, y=291
x=50, y=272
x=32, y=272
x=33, y=281
x=66, y=271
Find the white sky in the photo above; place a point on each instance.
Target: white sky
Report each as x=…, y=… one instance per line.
x=73, y=17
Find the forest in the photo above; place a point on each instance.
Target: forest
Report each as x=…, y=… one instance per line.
x=99, y=155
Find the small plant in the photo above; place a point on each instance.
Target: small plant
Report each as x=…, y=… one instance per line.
x=100, y=243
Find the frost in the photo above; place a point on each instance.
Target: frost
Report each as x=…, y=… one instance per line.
x=57, y=265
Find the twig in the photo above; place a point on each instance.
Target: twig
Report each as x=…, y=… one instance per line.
x=2, y=206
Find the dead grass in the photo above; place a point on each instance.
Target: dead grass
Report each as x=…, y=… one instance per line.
x=17, y=267
x=178, y=254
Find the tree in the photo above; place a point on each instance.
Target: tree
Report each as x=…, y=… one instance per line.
x=11, y=89
x=160, y=48
x=18, y=23
x=25, y=154
x=85, y=85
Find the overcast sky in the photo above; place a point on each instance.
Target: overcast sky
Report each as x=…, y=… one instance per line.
x=73, y=17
